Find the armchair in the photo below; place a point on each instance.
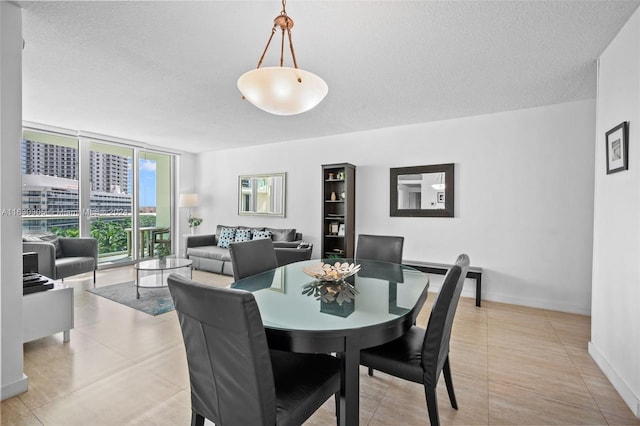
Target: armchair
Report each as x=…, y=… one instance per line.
x=74, y=256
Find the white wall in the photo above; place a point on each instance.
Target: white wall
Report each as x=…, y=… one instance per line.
x=523, y=196
x=11, y=364
x=615, y=322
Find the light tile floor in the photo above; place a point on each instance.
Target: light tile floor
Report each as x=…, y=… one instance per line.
x=510, y=365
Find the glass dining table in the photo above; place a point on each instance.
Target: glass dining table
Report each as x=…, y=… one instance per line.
x=301, y=314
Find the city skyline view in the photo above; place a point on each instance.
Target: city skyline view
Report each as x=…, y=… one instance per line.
x=110, y=173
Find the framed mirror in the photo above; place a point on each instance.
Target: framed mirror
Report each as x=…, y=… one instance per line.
x=262, y=195
x=422, y=191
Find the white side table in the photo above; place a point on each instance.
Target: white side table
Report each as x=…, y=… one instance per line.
x=47, y=312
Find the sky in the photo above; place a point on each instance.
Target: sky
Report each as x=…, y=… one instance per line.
x=147, y=183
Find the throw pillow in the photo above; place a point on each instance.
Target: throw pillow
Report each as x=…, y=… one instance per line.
x=227, y=236
x=260, y=235
x=243, y=235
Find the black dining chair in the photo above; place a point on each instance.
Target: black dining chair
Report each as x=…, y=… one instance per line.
x=384, y=248
x=252, y=257
x=235, y=379
x=421, y=355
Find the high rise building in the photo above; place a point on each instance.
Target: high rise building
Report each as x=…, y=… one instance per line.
x=50, y=186
x=108, y=172
x=50, y=160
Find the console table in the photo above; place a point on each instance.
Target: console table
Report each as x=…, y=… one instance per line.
x=474, y=272
x=47, y=312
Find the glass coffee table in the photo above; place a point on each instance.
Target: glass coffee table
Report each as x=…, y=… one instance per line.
x=154, y=273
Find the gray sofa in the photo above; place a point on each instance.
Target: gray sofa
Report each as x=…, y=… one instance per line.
x=203, y=250
x=61, y=257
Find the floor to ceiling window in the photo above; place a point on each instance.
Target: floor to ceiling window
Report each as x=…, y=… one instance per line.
x=50, y=184
x=90, y=187
x=111, y=200
x=155, y=212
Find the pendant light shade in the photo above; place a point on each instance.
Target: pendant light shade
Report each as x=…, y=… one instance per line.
x=282, y=90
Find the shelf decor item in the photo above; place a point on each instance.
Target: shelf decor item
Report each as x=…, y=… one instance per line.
x=617, y=141
x=333, y=228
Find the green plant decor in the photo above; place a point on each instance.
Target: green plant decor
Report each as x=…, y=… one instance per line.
x=163, y=250
x=194, y=222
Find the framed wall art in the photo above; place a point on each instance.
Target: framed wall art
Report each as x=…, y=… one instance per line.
x=617, y=144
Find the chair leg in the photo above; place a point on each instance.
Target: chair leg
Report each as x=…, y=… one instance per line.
x=196, y=419
x=370, y=371
x=337, y=398
x=446, y=371
x=432, y=406
x=94, y=277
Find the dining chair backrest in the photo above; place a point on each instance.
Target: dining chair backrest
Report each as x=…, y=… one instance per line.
x=384, y=248
x=227, y=353
x=435, y=348
x=252, y=257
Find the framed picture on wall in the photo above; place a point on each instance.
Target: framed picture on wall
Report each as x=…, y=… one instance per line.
x=341, y=229
x=617, y=145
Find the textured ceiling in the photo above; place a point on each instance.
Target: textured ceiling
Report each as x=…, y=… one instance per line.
x=165, y=73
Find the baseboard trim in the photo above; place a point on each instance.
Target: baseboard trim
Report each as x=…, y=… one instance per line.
x=15, y=388
x=435, y=282
x=627, y=395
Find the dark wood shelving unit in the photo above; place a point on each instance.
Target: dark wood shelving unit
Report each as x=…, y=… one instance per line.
x=338, y=210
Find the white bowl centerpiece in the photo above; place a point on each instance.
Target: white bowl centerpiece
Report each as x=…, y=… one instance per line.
x=336, y=272
x=330, y=284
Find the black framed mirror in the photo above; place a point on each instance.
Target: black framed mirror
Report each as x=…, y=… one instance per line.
x=422, y=191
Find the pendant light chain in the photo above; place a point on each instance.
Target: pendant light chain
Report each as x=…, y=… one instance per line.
x=293, y=54
x=273, y=31
x=284, y=22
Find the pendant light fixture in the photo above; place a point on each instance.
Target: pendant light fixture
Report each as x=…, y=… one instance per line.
x=282, y=90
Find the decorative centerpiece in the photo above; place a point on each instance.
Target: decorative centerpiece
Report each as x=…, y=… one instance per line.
x=336, y=272
x=330, y=284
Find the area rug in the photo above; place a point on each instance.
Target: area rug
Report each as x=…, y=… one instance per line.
x=153, y=301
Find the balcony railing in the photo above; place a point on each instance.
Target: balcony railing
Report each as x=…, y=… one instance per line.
x=109, y=230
